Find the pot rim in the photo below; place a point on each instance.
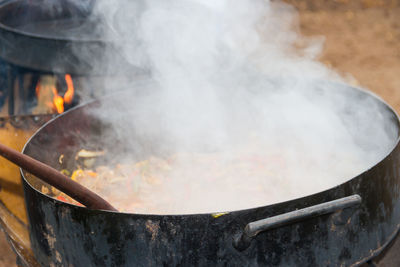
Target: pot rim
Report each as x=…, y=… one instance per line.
x=28, y=34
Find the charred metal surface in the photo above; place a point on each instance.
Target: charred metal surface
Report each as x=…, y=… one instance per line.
x=63, y=235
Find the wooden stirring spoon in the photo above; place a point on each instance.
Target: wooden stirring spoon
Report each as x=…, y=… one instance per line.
x=55, y=178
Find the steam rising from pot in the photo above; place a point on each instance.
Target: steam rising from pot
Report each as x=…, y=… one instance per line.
x=232, y=79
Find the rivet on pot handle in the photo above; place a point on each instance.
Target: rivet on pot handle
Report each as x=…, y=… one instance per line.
x=242, y=241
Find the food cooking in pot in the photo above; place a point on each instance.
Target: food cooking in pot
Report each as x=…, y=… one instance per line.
x=184, y=182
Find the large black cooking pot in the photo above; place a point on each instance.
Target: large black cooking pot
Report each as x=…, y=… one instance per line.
x=345, y=225
x=57, y=36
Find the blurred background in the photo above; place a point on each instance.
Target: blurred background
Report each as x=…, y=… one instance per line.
x=361, y=42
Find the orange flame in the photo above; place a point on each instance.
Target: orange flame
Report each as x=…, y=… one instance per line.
x=69, y=95
x=51, y=98
x=58, y=101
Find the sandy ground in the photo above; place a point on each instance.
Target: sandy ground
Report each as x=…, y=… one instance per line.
x=362, y=41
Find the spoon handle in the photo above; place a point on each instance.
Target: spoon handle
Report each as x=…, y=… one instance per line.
x=57, y=179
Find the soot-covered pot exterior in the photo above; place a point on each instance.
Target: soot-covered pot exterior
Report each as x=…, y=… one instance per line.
x=65, y=47
x=66, y=235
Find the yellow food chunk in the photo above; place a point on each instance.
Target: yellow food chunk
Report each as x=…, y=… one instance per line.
x=76, y=174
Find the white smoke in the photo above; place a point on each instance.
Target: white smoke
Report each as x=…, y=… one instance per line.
x=235, y=78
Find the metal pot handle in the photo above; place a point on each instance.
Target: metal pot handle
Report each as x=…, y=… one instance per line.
x=243, y=240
